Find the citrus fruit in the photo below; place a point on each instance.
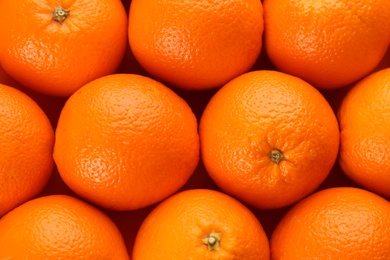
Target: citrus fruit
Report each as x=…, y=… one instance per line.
x=196, y=45
x=126, y=141
x=201, y=224
x=55, y=47
x=26, y=145
x=59, y=227
x=364, y=117
x=329, y=44
x=335, y=223
x=268, y=138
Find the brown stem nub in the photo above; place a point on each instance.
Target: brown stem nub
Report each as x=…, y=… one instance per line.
x=212, y=240
x=276, y=156
x=60, y=14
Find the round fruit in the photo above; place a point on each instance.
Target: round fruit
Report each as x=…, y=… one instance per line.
x=201, y=224
x=59, y=227
x=196, y=44
x=55, y=47
x=26, y=145
x=364, y=117
x=336, y=223
x=126, y=141
x=329, y=44
x=268, y=138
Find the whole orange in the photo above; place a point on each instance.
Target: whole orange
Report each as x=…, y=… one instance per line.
x=364, y=117
x=330, y=44
x=335, y=223
x=59, y=227
x=268, y=138
x=201, y=224
x=196, y=44
x=26, y=145
x=126, y=141
x=55, y=47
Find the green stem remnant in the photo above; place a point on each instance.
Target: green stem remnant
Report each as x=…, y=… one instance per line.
x=60, y=14
x=212, y=241
x=276, y=156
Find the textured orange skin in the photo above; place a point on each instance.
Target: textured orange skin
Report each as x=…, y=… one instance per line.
x=196, y=44
x=59, y=227
x=126, y=141
x=26, y=145
x=57, y=59
x=260, y=111
x=364, y=117
x=330, y=44
x=175, y=228
x=337, y=223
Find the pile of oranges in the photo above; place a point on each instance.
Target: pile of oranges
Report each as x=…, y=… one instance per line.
x=239, y=129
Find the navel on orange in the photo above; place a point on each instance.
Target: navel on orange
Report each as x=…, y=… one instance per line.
x=268, y=138
x=55, y=47
x=201, y=224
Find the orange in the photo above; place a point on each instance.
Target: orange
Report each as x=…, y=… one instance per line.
x=335, y=223
x=126, y=141
x=26, y=145
x=57, y=46
x=330, y=44
x=268, y=138
x=364, y=117
x=59, y=227
x=201, y=224
x=196, y=45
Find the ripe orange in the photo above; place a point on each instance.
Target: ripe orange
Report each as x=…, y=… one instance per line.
x=126, y=141
x=364, y=117
x=336, y=223
x=201, y=224
x=26, y=145
x=196, y=44
x=268, y=138
x=330, y=44
x=55, y=47
x=59, y=227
